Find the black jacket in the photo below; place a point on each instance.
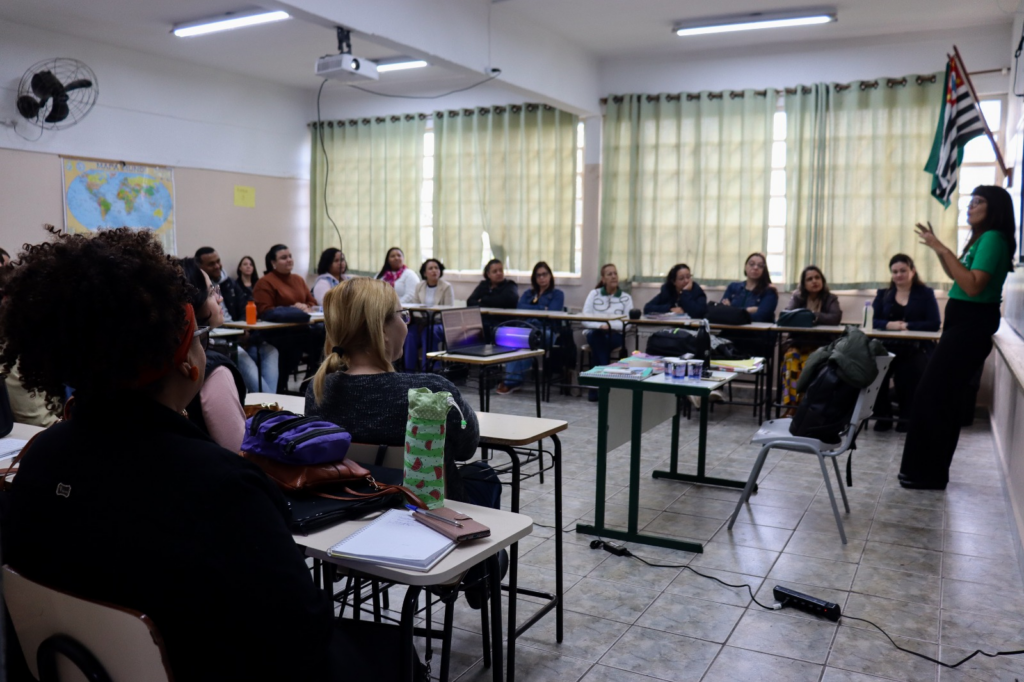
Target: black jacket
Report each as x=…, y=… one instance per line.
x=921, y=312
x=158, y=518
x=234, y=299
x=693, y=302
x=505, y=295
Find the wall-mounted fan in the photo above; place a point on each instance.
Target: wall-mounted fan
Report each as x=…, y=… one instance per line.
x=57, y=93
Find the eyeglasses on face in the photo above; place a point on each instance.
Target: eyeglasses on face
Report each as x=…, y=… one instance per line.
x=977, y=201
x=404, y=315
x=204, y=337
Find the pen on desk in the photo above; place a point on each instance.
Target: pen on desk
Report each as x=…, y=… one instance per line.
x=432, y=516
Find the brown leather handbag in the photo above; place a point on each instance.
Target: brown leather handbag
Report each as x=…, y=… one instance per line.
x=346, y=474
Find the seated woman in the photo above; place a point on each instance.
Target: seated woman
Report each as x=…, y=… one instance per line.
x=217, y=409
x=276, y=295
x=158, y=518
x=246, y=276
x=756, y=294
x=679, y=294
x=430, y=291
x=906, y=304
x=812, y=293
x=605, y=299
x=542, y=295
x=331, y=269
x=397, y=274
x=357, y=388
x=494, y=291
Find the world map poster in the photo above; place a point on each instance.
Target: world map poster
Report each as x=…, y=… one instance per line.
x=107, y=194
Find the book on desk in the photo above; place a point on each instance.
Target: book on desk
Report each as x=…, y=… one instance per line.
x=397, y=540
x=618, y=372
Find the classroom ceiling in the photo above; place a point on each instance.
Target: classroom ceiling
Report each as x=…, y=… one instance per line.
x=284, y=52
x=613, y=28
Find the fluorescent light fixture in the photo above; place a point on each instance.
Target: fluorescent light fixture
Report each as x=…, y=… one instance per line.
x=401, y=66
x=754, y=21
x=226, y=23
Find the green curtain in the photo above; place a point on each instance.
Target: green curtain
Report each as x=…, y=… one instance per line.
x=509, y=172
x=373, y=188
x=686, y=178
x=855, y=184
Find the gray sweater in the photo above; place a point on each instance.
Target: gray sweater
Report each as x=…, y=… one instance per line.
x=374, y=408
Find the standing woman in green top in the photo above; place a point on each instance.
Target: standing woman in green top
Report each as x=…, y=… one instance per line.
x=972, y=317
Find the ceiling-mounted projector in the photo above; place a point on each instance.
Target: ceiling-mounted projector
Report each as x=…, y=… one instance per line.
x=346, y=68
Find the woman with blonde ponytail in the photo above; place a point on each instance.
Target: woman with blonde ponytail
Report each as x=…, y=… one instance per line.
x=357, y=388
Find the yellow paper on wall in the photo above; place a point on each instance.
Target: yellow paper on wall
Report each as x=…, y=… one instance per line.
x=245, y=197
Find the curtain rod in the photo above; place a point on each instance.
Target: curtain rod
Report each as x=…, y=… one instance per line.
x=482, y=111
x=803, y=89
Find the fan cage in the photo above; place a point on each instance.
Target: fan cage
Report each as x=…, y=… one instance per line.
x=80, y=101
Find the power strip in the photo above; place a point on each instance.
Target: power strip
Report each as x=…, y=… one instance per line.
x=806, y=602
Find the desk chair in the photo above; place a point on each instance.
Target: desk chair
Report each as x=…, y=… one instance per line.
x=774, y=434
x=61, y=633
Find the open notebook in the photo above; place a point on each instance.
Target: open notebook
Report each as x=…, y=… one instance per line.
x=395, y=539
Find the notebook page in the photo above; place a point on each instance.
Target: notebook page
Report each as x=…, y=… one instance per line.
x=397, y=536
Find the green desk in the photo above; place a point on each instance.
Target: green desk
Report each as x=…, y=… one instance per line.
x=654, y=384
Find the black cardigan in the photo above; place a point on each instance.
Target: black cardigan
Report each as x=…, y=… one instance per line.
x=921, y=312
x=160, y=519
x=505, y=295
x=693, y=302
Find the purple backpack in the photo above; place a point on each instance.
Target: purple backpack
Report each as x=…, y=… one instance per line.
x=289, y=438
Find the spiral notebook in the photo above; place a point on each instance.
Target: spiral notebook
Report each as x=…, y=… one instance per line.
x=395, y=539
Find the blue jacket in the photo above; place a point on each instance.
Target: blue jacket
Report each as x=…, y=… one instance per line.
x=767, y=301
x=693, y=302
x=552, y=299
x=921, y=312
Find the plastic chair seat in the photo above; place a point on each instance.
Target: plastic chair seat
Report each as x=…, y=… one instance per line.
x=777, y=430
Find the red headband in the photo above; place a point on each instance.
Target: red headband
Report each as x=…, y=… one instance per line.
x=152, y=374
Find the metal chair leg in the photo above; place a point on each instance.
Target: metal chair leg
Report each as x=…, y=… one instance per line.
x=832, y=497
x=842, y=488
x=754, y=473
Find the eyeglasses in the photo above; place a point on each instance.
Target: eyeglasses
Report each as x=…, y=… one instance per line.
x=214, y=290
x=204, y=337
x=977, y=201
x=404, y=315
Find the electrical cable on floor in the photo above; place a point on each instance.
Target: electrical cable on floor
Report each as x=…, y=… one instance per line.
x=620, y=550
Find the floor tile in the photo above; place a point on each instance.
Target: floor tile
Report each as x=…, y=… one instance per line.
x=980, y=668
x=998, y=572
x=584, y=637
x=614, y=601
x=897, y=618
x=751, y=666
x=602, y=673
x=735, y=558
x=778, y=634
x=662, y=655
x=778, y=517
x=897, y=534
x=958, y=595
x=902, y=558
x=972, y=544
x=885, y=582
x=684, y=615
x=628, y=570
x=986, y=632
x=871, y=653
x=576, y=559
x=534, y=665
x=837, y=575
x=824, y=546
x=690, y=584
x=761, y=537
x=697, y=528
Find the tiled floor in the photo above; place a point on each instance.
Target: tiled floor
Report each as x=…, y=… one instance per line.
x=936, y=570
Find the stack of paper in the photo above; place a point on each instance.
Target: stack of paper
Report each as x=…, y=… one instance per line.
x=395, y=539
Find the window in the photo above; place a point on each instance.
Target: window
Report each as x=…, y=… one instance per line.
x=979, y=166
x=776, y=247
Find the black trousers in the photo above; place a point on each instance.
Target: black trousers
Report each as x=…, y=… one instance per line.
x=935, y=416
x=906, y=371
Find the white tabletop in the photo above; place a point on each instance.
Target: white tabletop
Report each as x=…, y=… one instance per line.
x=499, y=359
x=506, y=528
x=292, y=403
x=508, y=429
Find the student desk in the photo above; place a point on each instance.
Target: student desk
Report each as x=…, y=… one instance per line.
x=507, y=528
x=263, y=325
x=549, y=320
x=657, y=383
x=885, y=334
x=486, y=365
x=506, y=432
x=768, y=329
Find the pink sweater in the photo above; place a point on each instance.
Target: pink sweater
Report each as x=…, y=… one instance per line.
x=222, y=412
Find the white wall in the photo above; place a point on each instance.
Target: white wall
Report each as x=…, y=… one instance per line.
x=159, y=111
x=982, y=47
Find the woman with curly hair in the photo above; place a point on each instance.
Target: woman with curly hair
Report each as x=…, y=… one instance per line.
x=155, y=517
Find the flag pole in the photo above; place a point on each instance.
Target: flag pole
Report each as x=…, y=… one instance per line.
x=999, y=155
